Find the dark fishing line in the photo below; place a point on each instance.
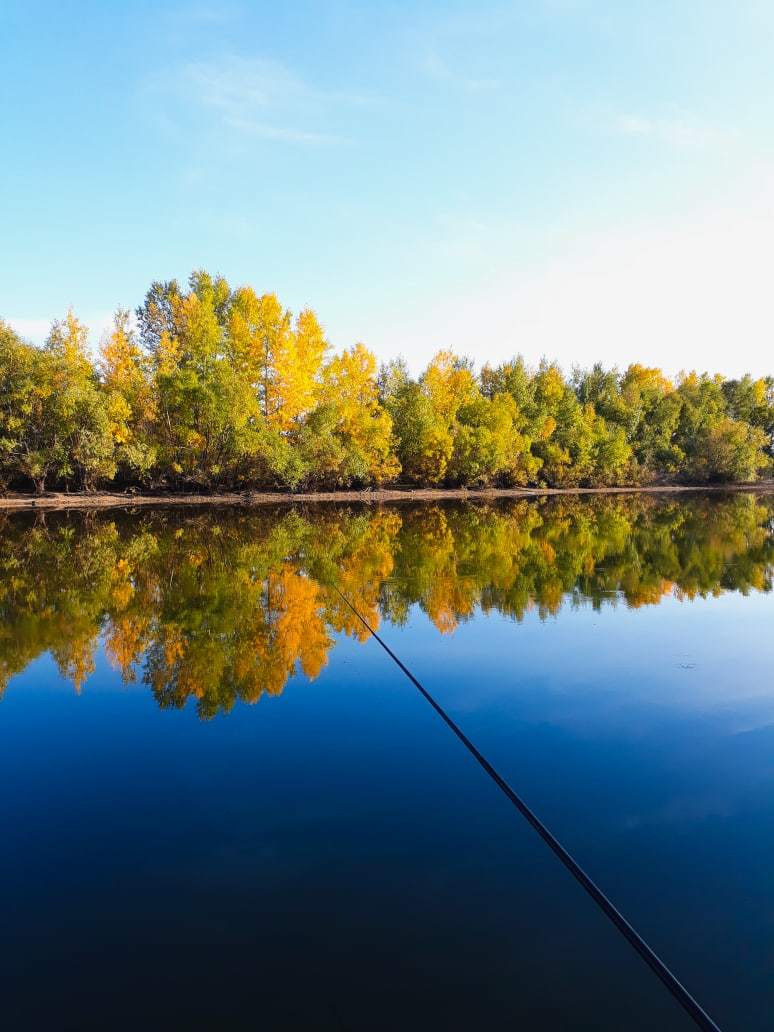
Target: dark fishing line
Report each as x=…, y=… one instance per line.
x=656, y=964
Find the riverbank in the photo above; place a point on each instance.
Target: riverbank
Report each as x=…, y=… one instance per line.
x=105, y=500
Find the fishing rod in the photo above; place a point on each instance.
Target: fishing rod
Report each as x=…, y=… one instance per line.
x=692, y=1007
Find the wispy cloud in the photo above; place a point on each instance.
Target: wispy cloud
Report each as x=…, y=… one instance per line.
x=678, y=130
x=261, y=98
x=239, y=84
x=257, y=97
x=460, y=235
x=439, y=70
x=209, y=13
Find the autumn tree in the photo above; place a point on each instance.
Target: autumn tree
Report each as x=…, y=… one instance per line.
x=77, y=443
x=212, y=388
x=752, y=401
x=729, y=450
x=54, y=426
x=279, y=357
x=424, y=443
x=348, y=437
x=652, y=410
x=24, y=389
x=130, y=398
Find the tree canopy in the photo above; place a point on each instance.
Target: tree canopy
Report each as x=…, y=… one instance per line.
x=211, y=387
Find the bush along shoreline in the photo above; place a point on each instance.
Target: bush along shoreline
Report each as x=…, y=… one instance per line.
x=212, y=390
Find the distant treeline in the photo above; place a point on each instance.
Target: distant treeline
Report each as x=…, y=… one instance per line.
x=212, y=388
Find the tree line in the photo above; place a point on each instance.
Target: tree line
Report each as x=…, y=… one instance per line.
x=226, y=608
x=211, y=388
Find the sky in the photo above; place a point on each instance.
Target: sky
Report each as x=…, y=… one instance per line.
x=586, y=180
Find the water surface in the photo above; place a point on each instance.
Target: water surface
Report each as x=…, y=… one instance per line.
x=175, y=854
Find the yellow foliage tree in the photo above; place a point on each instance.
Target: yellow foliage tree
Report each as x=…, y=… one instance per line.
x=280, y=359
x=349, y=388
x=129, y=395
x=449, y=383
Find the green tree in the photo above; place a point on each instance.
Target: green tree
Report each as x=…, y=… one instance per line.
x=209, y=420
x=21, y=401
x=351, y=410
x=423, y=441
x=730, y=451
x=752, y=401
x=653, y=408
x=75, y=442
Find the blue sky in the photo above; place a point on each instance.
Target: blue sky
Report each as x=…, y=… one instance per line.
x=577, y=179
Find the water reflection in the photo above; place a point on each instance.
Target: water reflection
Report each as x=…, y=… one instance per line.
x=225, y=606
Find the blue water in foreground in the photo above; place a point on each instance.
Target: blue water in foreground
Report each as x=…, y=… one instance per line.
x=325, y=854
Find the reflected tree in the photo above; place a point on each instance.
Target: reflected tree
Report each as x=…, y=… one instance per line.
x=220, y=608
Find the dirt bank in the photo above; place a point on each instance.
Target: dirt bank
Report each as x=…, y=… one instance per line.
x=253, y=498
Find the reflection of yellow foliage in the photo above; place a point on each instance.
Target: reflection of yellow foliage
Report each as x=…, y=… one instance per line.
x=125, y=642
x=649, y=594
x=76, y=660
x=174, y=646
x=293, y=632
x=121, y=594
x=299, y=628
x=229, y=611
x=549, y=553
x=551, y=596
x=361, y=575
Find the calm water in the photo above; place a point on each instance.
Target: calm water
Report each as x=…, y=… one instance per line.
x=224, y=807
